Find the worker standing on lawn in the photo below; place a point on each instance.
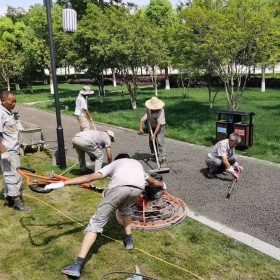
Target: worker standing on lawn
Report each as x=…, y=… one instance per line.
x=156, y=117
x=81, y=110
x=9, y=149
x=222, y=157
x=127, y=182
x=92, y=142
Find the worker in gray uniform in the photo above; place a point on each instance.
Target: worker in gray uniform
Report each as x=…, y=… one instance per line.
x=155, y=117
x=92, y=142
x=9, y=149
x=127, y=182
x=81, y=110
x=222, y=157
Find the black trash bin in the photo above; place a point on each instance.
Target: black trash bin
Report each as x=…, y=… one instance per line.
x=238, y=122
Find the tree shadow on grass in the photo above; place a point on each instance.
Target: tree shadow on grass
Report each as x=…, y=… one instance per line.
x=41, y=234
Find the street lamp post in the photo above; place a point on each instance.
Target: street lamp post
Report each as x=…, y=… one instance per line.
x=59, y=129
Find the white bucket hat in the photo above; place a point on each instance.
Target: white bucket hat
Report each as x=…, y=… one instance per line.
x=86, y=90
x=112, y=134
x=154, y=103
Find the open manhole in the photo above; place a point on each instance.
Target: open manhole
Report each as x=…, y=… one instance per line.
x=156, y=209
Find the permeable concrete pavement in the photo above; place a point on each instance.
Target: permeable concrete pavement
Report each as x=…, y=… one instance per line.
x=253, y=208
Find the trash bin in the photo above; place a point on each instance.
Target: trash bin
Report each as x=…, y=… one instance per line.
x=235, y=121
x=221, y=130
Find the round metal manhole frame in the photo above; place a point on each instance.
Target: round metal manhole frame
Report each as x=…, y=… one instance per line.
x=178, y=206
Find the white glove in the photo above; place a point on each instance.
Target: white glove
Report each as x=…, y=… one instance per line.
x=233, y=173
x=164, y=186
x=6, y=156
x=54, y=186
x=230, y=169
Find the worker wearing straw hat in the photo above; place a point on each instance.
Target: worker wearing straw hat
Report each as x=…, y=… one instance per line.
x=156, y=117
x=81, y=110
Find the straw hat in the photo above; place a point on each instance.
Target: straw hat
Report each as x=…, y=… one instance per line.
x=112, y=134
x=154, y=103
x=86, y=90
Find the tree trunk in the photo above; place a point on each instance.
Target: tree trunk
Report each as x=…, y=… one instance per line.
x=131, y=84
x=101, y=89
x=263, y=79
x=51, y=81
x=153, y=74
x=114, y=77
x=17, y=87
x=167, y=84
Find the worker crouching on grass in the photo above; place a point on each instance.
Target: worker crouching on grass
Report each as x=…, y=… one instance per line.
x=223, y=157
x=155, y=120
x=127, y=182
x=91, y=142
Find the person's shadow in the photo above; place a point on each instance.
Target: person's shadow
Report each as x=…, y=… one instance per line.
x=221, y=174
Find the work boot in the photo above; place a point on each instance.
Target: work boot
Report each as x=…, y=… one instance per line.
x=73, y=270
x=128, y=242
x=86, y=171
x=9, y=201
x=163, y=162
x=19, y=206
x=210, y=174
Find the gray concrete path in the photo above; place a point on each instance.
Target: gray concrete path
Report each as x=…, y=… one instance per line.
x=253, y=208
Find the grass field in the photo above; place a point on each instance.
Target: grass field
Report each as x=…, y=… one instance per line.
x=191, y=119
x=37, y=244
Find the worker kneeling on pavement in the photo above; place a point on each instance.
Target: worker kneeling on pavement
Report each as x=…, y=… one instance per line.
x=92, y=142
x=223, y=157
x=127, y=182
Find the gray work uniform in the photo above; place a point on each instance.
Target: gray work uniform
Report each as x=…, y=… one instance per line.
x=156, y=117
x=126, y=184
x=81, y=106
x=91, y=142
x=221, y=149
x=9, y=137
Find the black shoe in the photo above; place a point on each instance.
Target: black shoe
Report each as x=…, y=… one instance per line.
x=22, y=207
x=9, y=201
x=163, y=162
x=86, y=171
x=73, y=270
x=128, y=243
x=210, y=175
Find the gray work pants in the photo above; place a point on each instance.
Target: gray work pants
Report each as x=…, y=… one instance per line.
x=12, y=179
x=83, y=147
x=216, y=164
x=116, y=198
x=160, y=142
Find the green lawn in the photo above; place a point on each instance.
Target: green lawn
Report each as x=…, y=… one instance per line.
x=37, y=244
x=189, y=120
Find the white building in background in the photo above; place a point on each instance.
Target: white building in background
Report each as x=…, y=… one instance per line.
x=145, y=71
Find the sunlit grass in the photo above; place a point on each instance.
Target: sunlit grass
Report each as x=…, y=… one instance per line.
x=38, y=244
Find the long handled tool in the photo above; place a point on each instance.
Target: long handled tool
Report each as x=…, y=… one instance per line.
x=231, y=188
x=94, y=127
x=160, y=169
x=37, y=182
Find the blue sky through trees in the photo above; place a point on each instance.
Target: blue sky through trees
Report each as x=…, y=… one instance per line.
x=27, y=3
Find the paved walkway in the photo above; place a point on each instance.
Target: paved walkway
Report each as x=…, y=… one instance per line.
x=253, y=208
